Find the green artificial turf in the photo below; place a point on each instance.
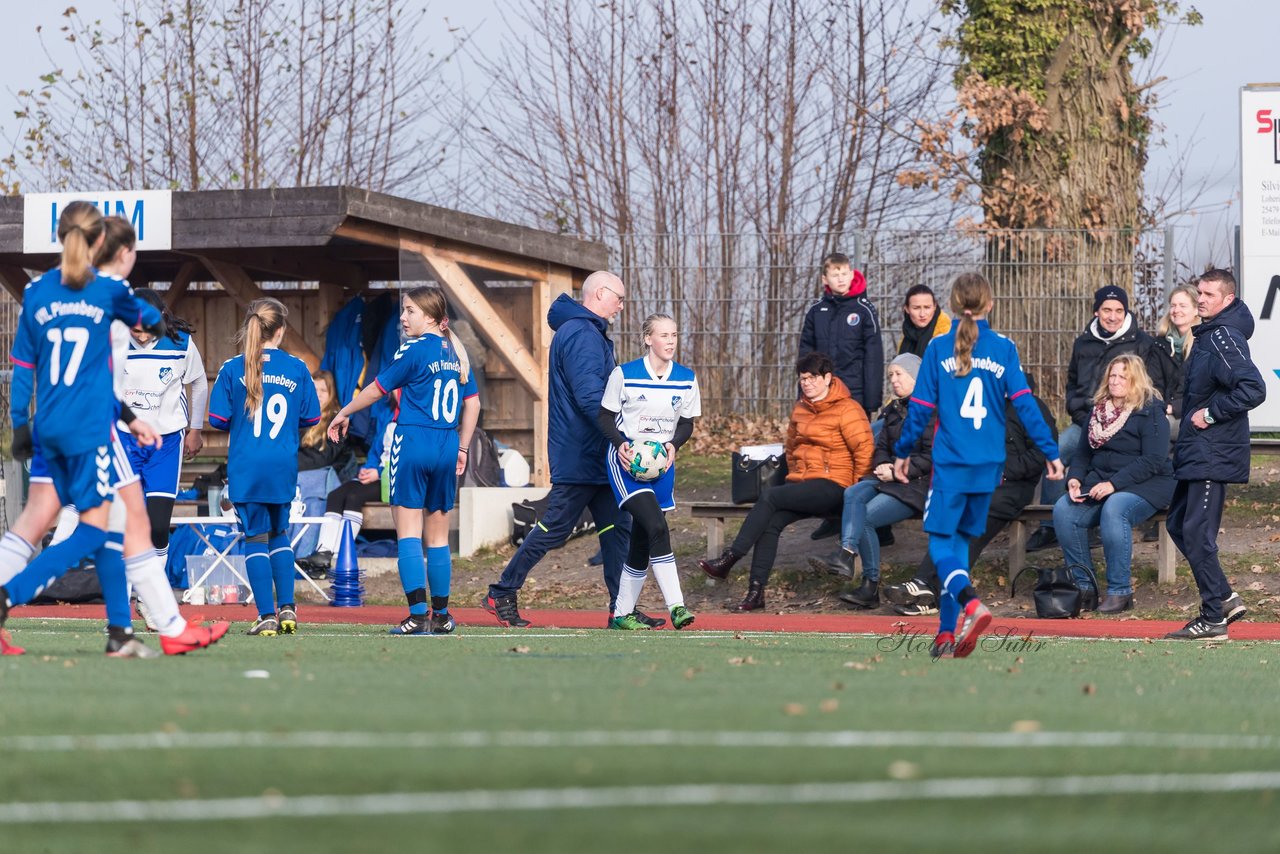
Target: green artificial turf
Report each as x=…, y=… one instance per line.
x=465, y=713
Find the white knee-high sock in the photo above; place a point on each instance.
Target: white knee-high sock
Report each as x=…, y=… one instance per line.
x=68, y=518
x=145, y=573
x=330, y=533
x=629, y=587
x=355, y=519
x=15, y=554
x=664, y=570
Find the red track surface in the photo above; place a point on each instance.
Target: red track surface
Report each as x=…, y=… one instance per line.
x=863, y=624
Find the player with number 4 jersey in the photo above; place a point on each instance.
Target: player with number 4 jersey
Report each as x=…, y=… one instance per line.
x=965, y=377
x=265, y=397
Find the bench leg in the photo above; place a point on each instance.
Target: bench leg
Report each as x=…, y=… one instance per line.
x=1166, y=557
x=1017, y=548
x=715, y=537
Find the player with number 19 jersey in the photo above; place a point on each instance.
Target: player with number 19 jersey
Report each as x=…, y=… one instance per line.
x=968, y=448
x=262, y=463
x=423, y=454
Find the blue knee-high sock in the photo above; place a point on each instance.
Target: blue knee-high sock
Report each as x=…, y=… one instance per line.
x=281, y=555
x=413, y=573
x=950, y=555
x=109, y=561
x=53, y=562
x=257, y=565
x=439, y=574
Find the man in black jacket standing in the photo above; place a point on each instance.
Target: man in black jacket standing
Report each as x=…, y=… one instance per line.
x=844, y=325
x=1113, y=331
x=1222, y=385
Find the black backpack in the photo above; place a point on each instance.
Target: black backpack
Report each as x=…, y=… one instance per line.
x=527, y=513
x=1056, y=594
x=482, y=462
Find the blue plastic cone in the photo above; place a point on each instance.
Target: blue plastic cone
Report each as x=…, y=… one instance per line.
x=346, y=588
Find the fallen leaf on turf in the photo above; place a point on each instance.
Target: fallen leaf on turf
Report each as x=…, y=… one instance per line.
x=829, y=705
x=737, y=635
x=738, y=661
x=839, y=686
x=521, y=650
x=1025, y=726
x=901, y=769
x=794, y=709
x=1090, y=689
x=690, y=673
x=857, y=665
x=1255, y=569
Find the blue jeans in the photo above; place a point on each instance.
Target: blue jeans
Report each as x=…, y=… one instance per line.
x=1052, y=490
x=865, y=509
x=1116, y=516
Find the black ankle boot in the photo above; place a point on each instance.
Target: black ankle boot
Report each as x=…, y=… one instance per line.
x=754, y=600
x=839, y=562
x=718, y=567
x=866, y=596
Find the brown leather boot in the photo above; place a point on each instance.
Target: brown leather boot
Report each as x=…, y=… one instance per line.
x=718, y=567
x=754, y=600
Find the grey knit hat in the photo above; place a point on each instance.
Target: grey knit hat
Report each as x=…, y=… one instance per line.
x=909, y=362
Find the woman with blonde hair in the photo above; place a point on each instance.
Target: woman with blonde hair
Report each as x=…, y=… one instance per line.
x=1120, y=476
x=1175, y=333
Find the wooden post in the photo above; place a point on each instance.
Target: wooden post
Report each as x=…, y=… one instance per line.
x=1017, y=548
x=244, y=290
x=14, y=280
x=181, y=282
x=559, y=281
x=1166, y=557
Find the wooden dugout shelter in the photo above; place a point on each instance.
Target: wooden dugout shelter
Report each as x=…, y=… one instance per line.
x=319, y=247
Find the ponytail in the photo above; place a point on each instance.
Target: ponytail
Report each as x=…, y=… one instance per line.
x=433, y=304
x=264, y=318
x=79, y=227
x=970, y=297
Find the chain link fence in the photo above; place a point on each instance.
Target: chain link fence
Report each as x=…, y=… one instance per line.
x=740, y=299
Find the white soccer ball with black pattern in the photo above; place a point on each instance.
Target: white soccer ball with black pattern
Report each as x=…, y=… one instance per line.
x=650, y=461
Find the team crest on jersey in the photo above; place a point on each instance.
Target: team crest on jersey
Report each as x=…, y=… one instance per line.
x=675, y=401
x=166, y=374
x=853, y=319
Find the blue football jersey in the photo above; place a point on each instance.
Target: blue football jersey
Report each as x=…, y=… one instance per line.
x=64, y=338
x=430, y=376
x=262, y=459
x=968, y=447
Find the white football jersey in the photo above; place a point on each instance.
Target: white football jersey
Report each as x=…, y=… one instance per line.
x=156, y=379
x=648, y=407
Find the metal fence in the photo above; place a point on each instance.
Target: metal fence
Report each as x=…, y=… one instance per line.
x=740, y=299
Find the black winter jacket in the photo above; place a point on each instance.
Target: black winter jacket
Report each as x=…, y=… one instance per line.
x=1135, y=459
x=1023, y=465
x=848, y=330
x=1222, y=378
x=1090, y=355
x=919, y=464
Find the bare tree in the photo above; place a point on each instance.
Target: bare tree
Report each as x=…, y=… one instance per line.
x=210, y=94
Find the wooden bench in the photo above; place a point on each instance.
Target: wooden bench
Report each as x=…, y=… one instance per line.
x=716, y=512
x=1034, y=514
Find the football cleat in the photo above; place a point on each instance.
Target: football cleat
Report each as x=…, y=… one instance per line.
x=195, y=636
x=7, y=646
x=974, y=623
x=266, y=626
x=145, y=614
x=1199, y=629
x=651, y=622
x=504, y=608
x=628, y=622
x=910, y=592
x=944, y=646
x=414, y=624
x=681, y=617
x=288, y=620
x=915, y=610
x=1233, y=608
x=442, y=624
x=130, y=647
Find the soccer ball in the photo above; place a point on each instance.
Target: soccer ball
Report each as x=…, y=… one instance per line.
x=650, y=461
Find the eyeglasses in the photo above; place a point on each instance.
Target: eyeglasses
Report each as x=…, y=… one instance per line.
x=621, y=298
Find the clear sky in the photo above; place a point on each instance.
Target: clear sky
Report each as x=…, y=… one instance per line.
x=1196, y=164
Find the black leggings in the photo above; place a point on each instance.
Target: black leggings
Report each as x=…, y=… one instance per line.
x=781, y=506
x=353, y=495
x=160, y=513
x=650, y=536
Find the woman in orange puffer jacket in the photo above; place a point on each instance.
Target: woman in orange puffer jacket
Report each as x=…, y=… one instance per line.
x=829, y=445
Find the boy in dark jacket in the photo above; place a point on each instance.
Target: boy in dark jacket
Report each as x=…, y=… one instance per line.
x=844, y=324
x=1222, y=385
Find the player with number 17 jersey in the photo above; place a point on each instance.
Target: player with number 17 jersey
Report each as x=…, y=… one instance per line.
x=424, y=447
x=263, y=465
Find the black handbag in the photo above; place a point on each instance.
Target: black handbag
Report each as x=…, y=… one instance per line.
x=753, y=478
x=1056, y=594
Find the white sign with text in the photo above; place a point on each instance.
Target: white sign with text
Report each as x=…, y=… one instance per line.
x=1259, y=273
x=149, y=211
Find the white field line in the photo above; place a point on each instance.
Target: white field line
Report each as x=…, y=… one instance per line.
x=506, y=800
x=586, y=739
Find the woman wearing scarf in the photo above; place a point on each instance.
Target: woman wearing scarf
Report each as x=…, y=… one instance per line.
x=1119, y=476
x=922, y=320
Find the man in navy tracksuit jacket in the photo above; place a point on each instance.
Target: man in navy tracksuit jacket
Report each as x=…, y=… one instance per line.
x=1222, y=385
x=581, y=361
